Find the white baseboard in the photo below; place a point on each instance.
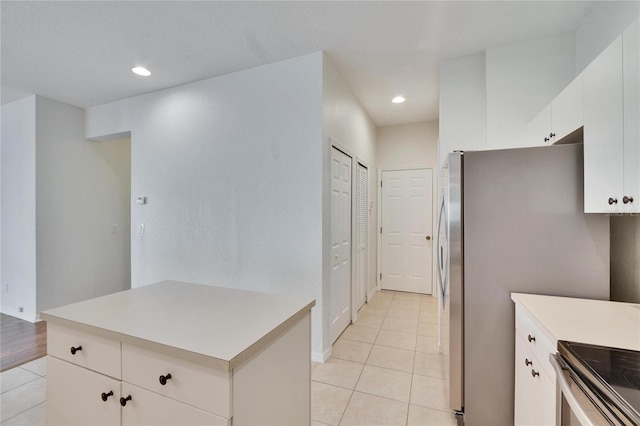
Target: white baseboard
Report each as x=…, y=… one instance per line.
x=321, y=357
x=373, y=293
x=15, y=312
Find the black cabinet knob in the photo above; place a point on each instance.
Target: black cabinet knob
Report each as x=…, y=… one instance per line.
x=163, y=379
x=613, y=201
x=76, y=349
x=534, y=373
x=627, y=200
x=106, y=396
x=546, y=139
x=527, y=362
x=552, y=135
x=123, y=401
x=531, y=338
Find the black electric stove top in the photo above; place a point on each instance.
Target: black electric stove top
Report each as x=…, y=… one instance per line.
x=612, y=372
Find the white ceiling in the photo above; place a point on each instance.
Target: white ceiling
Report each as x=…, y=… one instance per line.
x=81, y=53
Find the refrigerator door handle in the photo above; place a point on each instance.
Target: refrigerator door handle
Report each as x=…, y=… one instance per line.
x=442, y=280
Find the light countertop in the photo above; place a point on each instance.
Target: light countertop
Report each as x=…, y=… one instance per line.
x=597, y=322
x=223, y=325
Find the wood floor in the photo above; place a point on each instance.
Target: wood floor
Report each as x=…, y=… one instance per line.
x=21, y=341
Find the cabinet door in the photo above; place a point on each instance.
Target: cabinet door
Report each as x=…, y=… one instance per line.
x=149, y=408
x=603, y=131
x=524, y=399
x=631, y=84
x=567, y=110
x=74, y=396
x=546, y=401
x=539, y=128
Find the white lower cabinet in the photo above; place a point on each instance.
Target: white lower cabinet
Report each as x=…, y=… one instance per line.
x=149, y=408
x=154, y=386
x=78, y=396
x=535, y=390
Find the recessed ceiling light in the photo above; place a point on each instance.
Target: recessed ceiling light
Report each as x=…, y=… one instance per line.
x=141, y=71
x=398, y=100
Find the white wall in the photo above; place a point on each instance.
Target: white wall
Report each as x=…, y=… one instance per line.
x=463, y=105
x=82, y=190
x=232, y=169
x=19, y=208
x=345, y=122
x=408, y=145
x=605, y=22
x=61, y=195
x=522, y=79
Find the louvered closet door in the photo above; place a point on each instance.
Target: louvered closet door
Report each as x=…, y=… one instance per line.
x=361, y=237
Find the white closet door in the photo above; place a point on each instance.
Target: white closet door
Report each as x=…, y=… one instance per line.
x=407, y=243
x=340, y=289
x=361, y=236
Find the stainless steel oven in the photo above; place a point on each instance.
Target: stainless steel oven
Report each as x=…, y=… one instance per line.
x=596, y=385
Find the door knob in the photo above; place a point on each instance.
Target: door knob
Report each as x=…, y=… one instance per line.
x=123, y=401
x=627, y=200
x=75, y=349
x=428, y=237
x=613, y=201
x=163, y=379
x=106, y=396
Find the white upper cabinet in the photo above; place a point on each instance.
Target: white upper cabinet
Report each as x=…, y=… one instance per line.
x=558, y=119
x=603, y=131
x=567, y=110
x=538, y=132
x=611, y=128
x=631, y=86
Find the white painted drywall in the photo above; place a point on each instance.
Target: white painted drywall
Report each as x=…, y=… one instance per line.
x=412, y=146
x=345, y=122
x=522, y=79
x=82, y=193
x=463, y=105
x=19, y=208
x=605, y=22
x=408, y=146
x=232, y=170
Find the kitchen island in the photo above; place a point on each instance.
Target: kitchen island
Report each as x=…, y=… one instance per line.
x=180, y=353
x=541, y=321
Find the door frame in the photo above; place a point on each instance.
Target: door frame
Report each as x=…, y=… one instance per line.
x=434, y=223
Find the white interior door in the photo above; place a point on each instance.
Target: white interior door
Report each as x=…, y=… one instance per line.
x=361, y=264
x=406, y=237
x=340, y=289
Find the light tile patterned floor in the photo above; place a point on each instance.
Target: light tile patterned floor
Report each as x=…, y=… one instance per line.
x=385, y=369
x=24, y=394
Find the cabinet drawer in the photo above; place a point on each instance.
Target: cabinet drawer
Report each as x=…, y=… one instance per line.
x=536, y=340
x=201, y=386
x=93, y=352
x=148, y=408
x=74, y=396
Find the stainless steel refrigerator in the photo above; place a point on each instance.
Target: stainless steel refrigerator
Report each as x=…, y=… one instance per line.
x=510, y=220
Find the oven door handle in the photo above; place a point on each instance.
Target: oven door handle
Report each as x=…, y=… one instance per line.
x=558, y=365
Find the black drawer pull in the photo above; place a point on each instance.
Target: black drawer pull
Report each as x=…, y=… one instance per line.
x=527, y=362
x=627, y=200
x=76, y=349
x=123, y=401
x=613, y=201
x=534, y=373
x=531, y=338
x=106, y=396
x=163, y=379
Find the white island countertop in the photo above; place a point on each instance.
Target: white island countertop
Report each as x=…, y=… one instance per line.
x=220, y=326
x=596, y=322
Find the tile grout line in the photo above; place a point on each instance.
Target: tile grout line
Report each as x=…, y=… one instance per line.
x=22, y=412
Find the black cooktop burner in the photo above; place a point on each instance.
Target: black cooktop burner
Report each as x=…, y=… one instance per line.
x=614, y=372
